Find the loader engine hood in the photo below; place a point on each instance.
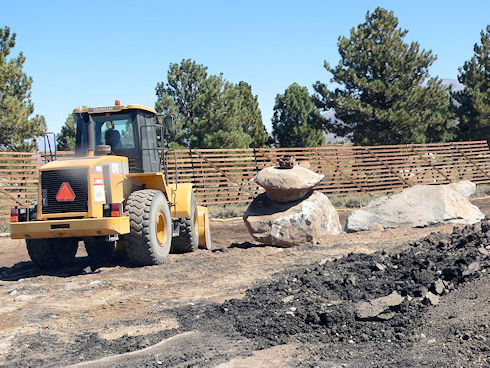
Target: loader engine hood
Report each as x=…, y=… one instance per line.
x=87, y=163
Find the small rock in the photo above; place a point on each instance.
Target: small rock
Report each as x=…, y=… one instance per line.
x=13, y=292
x=390, y=300
x=431, y=341
x=472, y=268
x=24, y=298
x=437, y=287
x=159, y=362
x=373, y=308
x=483, y=251
x=292, y=309
x=386, y=315
x=380, y=267
x=365, y=310
x=422, y=336
x=431, y=299
x=352, y=279
x=288, y=298
x=87, y=269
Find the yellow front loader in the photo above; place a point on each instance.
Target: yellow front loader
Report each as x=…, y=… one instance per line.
x=115, y=192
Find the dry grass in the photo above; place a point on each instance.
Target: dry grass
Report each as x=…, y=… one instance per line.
x=354, y=200
x=482, y=190
x=4, y=226
x=227, y=210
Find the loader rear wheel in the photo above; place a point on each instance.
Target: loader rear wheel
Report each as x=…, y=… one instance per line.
x=150, y=237
x=100, y=248
x=51, y=253
x=188, y=239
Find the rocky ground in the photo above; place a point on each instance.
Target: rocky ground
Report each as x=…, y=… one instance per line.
x=405, y=297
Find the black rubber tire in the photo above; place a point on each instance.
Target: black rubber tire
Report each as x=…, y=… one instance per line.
x=100, y=248
x=142, y=245
x=188, y=239
x=52, y=253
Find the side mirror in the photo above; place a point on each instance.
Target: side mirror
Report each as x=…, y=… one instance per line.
x=170, y=123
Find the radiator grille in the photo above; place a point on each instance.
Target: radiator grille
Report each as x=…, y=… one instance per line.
x=133, y=165
x=51, y=182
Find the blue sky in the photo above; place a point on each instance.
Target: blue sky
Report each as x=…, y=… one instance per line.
x=93, y=52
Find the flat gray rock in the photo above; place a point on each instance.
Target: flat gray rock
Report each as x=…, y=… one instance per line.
x=378, y=306
x=418, y=206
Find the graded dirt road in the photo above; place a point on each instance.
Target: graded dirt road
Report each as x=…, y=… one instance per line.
x=91, y=311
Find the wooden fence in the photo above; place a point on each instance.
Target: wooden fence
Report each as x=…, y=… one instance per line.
x=225, y=175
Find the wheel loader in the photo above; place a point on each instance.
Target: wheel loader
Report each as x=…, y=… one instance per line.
x=115, y=193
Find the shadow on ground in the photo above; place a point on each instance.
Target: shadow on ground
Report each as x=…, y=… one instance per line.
x=81, y=266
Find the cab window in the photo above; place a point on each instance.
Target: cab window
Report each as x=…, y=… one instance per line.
x=115, y=131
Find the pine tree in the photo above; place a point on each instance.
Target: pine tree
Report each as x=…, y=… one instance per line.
x=179, y=95
x=16, y=124
x=296, y=121
x=385, y=96
x=218, y=123
x=251, y=116
x=212, y=112
x=473, y=102
x=66, y=139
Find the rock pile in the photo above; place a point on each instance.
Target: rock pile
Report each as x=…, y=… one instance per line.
x=418, y=206
x=290, y=212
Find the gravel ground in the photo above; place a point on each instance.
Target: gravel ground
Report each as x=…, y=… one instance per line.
x=405, y=297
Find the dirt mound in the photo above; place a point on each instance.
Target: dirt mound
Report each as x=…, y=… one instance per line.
x=323, y=302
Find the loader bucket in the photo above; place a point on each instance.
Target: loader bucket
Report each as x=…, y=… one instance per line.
x=204, y=232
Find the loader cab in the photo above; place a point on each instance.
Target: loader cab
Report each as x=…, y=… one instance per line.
x=132, y=131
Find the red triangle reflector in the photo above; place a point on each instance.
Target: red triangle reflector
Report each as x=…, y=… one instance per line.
x=65, y=193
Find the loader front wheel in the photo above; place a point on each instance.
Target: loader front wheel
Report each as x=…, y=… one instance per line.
x=188, y=239
x=51, y=253
x=150, y=237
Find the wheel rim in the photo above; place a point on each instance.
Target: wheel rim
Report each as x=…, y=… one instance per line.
x=161, y=226
x=196, y=224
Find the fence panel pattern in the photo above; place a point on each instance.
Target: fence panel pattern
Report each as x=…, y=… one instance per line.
x=226, y=175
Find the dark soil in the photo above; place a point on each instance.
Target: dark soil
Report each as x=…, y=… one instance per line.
x=316, y=306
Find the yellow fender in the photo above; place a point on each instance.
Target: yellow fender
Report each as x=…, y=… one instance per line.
x=182, y=196
x=204, y=232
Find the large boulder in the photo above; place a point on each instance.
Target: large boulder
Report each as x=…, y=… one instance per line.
x=418, y=206
x=303, y=221
x=287, y=185
x=466, y=188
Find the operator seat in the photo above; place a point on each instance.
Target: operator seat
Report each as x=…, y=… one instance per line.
x=113, y=138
